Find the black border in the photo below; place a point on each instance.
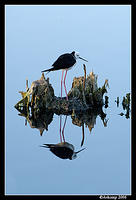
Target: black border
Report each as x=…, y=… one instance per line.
x=133, y=96
x=2, y=78
x=2, y=74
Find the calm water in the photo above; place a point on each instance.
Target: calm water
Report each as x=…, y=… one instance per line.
x=35, y=37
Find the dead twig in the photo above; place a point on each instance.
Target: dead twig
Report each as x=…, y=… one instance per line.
x=84, y=84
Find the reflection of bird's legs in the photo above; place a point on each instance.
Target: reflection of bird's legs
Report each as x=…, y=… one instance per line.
x=61, y=82
x=65, y=85
x=64, y=128
x=83, y=135
x=60, y=129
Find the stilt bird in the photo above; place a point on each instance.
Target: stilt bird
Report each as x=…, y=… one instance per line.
x=65, y=62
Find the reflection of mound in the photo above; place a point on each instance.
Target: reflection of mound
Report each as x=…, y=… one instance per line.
x=39, y=121
x=43, y=119
x=88, y=118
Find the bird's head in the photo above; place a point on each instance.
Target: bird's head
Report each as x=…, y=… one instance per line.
x=77, y=56
x=74, y=155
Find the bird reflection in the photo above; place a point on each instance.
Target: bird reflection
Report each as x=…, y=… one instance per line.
x=63, y=150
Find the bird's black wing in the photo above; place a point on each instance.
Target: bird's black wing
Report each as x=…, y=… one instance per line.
x=62, y=152
x=64, y=61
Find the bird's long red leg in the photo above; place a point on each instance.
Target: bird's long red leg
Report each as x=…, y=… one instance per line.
x=65, y=85
x=61, y=82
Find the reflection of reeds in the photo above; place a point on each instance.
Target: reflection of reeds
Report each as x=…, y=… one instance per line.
x=126, y=101
x=117, y=101
x=89, y=119
x=126, y=105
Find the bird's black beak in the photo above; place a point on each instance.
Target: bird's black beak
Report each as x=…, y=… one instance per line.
x=79, y=150
x=83, y=59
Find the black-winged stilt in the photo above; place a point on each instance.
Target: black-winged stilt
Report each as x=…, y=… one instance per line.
x=65, y=62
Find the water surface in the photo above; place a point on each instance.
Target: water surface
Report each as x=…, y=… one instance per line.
x=35, y=37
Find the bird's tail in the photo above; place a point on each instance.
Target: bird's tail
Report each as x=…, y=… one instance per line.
x=48, y=70
x=47, y=145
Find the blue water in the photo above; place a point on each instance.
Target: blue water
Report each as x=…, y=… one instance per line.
x=35, y=37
